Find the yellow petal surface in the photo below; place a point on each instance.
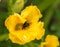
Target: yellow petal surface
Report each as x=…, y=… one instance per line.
x=31, y=13
x=53, y=39
x=29, y=34
x=50, y=41
x=13, y=20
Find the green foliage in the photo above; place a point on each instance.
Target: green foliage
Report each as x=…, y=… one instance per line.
x=43, y=4
x=15, y=5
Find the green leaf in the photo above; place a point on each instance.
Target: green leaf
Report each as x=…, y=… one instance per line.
x=3, y=5
x=3, y=37
x=48, y=14
x=3, y=16
x=25, y=1
x=43, y=4
x=57, y=33
x=57, y=15
x=3, y=30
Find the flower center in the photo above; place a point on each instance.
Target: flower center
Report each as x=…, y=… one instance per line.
x=44, y=46
x=26, y=24
x=20, y=26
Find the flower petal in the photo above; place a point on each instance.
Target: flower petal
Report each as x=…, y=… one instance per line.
x=31, y=13
x=12, y=20
x=50, y=41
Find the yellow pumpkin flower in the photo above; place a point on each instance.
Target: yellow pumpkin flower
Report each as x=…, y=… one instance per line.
x=25, y=27
x=50, y=41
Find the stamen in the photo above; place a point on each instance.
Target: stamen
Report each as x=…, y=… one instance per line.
x=44, y=46
x=25, y=25
x=18, y=26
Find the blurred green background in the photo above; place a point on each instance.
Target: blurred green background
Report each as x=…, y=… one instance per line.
x=50, y=10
